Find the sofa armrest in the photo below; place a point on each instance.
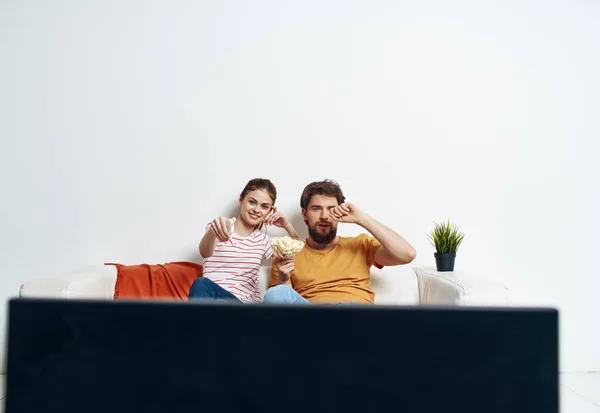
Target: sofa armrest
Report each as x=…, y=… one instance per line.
x=456, y=288
x=96, y=282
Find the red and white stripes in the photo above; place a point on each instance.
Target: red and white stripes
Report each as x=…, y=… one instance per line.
x=235, y=265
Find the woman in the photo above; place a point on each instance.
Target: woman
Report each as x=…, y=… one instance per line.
x=231, y=261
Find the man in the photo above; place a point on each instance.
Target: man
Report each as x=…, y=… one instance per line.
x=331, y=269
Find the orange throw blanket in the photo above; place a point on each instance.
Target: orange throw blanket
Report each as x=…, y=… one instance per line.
x=170, y=280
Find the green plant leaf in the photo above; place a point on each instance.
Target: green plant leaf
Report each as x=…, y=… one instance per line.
x=445, y=237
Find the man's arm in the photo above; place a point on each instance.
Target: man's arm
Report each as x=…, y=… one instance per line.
x=394, y=249
x=281, y=271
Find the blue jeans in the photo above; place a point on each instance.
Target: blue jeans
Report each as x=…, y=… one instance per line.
x=205, y=289
x=284, y=294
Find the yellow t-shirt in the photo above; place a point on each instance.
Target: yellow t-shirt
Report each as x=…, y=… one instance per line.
x=341, y=274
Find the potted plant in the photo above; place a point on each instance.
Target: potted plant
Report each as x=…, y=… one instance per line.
x=446, y=239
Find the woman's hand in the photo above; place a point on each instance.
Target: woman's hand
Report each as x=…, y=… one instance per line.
x=278, y=219
x=220, y=227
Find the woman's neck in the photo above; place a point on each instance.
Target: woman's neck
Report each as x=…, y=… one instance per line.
x=242, y=228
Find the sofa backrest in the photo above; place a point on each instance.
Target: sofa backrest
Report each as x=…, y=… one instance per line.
x=391, y=285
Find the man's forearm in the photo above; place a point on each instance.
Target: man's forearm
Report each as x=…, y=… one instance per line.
x=397, y=249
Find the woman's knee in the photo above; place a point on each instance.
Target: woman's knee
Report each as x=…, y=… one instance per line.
x=200, y=287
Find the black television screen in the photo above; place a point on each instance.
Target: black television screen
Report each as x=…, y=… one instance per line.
x=76, y=356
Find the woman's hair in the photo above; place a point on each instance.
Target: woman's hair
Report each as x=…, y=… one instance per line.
x=327, y=187
x=265, y=185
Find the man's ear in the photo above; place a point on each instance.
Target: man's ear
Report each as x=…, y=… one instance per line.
x=304, y=214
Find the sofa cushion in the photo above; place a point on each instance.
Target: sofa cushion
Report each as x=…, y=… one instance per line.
x=92, y=282
x=395, y=285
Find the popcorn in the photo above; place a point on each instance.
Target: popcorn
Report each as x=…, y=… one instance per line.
x=287, y=247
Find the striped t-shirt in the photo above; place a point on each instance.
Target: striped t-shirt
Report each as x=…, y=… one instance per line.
x=235, y=265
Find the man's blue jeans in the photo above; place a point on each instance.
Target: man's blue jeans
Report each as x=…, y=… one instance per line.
x=203, y=288
x=283, y=294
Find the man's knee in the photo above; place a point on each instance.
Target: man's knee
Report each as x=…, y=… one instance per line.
x=278, y=294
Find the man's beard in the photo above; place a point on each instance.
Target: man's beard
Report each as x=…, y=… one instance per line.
x=322, y=239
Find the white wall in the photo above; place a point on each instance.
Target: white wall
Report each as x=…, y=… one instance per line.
x=126, y=125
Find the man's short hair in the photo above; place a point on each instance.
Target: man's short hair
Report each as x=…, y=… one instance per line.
x=327, y=187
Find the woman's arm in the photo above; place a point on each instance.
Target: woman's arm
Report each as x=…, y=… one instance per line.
x=207, y=244
x=279, y=220
x=292, y=231
x=218, y=231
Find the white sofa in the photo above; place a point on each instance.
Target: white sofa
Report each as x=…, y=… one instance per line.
x=401, y=285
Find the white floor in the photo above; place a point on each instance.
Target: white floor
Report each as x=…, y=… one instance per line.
x=579, y=393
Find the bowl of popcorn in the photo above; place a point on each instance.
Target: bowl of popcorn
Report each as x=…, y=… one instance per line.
x=286, y=247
